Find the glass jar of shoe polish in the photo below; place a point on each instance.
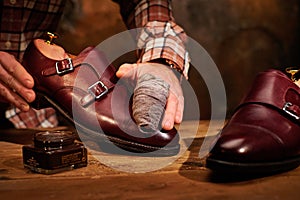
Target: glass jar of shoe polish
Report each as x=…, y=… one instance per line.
x=53, y=152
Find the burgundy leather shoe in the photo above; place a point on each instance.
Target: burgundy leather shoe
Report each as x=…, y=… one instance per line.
x=263, y=136
x=84, y=90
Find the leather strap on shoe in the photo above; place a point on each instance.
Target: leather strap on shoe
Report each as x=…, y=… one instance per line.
x=96, y=91
x=61, y=67
x=275, y=89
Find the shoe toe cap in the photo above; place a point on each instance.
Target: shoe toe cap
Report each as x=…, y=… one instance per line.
x=247, y=144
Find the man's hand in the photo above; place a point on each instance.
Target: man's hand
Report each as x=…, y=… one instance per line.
x=15, y=83
x=175, y=101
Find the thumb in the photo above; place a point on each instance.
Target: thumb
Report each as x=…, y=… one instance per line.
x=124, y=70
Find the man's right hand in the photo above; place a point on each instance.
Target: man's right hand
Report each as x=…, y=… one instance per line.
x=15, y=83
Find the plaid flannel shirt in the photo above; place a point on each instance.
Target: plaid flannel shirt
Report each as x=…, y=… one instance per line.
x=24, y=20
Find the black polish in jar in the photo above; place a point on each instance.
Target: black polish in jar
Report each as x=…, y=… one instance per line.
x=53, y=152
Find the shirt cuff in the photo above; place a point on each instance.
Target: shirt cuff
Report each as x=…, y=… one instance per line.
x=164, y=40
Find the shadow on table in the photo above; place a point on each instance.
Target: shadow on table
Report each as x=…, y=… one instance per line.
x=25, y=136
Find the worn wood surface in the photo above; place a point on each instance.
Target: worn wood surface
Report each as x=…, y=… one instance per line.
x=184, y=178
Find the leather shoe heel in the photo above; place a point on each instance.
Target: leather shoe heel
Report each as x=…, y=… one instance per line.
x=83, y=89
x=263, y=135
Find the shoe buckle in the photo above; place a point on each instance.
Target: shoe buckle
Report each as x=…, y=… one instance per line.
x=285, y=109
x=64, y=66
x=98, y=89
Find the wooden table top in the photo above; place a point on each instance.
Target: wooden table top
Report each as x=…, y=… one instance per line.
x=110, y=176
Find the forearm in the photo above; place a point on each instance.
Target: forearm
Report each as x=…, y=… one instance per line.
x=161, y=37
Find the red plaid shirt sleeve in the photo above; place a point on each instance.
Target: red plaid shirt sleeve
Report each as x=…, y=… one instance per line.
x=43, y=118
x=160, y=37
x=22, y=21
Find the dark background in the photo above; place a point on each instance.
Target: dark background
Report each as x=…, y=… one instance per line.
x=243, y=37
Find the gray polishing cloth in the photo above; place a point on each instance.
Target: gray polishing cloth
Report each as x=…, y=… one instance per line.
x=149, y=101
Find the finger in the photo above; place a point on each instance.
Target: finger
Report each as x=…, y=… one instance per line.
x=16, y=70
x=171, y=109
x=179, y=111
x=14, y=86
x=13, y=98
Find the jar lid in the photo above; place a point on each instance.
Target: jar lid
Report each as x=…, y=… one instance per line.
x=53, y=139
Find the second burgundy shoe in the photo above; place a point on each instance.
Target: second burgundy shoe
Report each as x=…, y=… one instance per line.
x=84, y=90
x=263, y=136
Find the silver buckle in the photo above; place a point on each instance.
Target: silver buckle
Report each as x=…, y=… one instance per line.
x=285, y=109
x=68, y=62
x=91, y=89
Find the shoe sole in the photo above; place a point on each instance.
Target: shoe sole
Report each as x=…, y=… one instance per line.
x=110, y=141
x=252, y=168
